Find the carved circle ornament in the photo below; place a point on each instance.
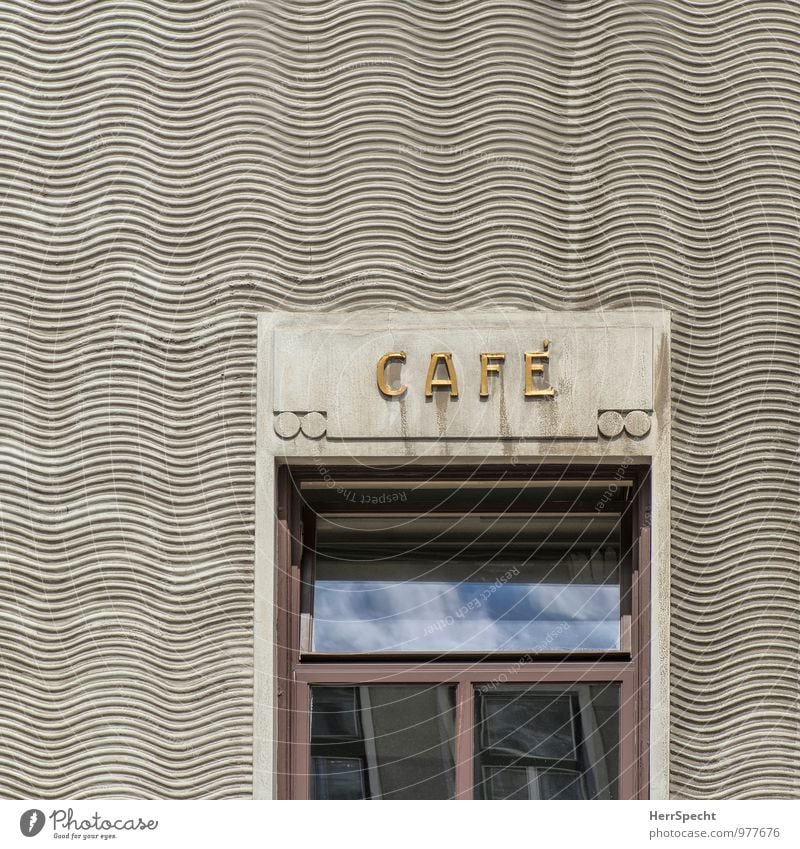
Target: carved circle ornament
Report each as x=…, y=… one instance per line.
x=610, y=424
x=313, y=425
x=287, y=425
x=637, y=423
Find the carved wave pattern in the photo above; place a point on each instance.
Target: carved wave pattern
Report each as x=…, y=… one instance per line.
x=170, y=169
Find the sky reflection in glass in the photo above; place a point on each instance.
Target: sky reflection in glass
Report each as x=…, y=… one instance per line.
x=385, y=615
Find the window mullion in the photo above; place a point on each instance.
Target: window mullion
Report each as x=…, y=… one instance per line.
x=465, y=736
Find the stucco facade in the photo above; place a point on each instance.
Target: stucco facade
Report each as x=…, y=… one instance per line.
x=172, y=171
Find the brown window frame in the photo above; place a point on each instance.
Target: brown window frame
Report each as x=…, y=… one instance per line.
x=298, y=669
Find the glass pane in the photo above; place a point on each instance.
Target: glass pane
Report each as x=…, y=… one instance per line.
x=546, y=742
x=338, y=778
x=335, y=714
x=467, y=583
x=536, y=726
x=533, y=783
x=560, y=784
x=399, y=742
x=509, y=783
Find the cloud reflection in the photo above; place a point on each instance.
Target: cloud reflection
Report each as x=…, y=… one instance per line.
x=369, y=616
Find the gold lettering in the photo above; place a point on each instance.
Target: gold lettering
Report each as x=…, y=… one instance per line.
x=446, y=358
x=490, y=363
x=533, y=367
x=383, y=384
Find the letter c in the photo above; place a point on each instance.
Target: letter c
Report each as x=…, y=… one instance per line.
x=383, y=384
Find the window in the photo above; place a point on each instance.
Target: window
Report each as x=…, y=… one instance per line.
x=540, y=743
x=463, y=633
x=386, y=741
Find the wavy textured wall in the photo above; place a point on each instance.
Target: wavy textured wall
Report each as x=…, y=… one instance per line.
x=168, y=169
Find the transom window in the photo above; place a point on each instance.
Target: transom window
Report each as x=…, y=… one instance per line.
x=467, y=633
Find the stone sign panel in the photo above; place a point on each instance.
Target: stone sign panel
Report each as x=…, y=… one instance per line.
x=470, y=375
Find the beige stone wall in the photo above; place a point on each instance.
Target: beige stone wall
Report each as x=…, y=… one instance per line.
x=168, y=170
